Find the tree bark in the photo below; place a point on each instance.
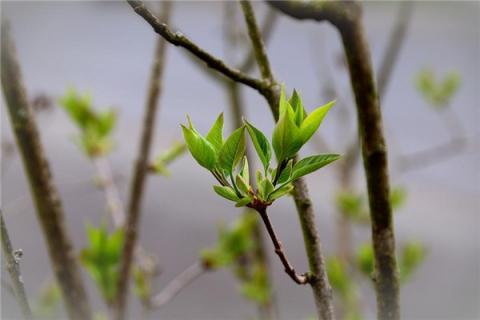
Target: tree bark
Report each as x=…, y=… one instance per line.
x=44, y=192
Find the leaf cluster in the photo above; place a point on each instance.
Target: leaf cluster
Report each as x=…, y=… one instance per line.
x=95, y=127
x=101, y=258
x=226, y=160
x=412, y=254
x=233, y=243
x=437, y=92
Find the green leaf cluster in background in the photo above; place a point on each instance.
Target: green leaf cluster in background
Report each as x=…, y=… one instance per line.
x=233, y=243
x=161, y=162
x=95, y=127
x=437, y=92
x=225, y=158
x=101, y=258
x=256, y=288
x=412, y=254
x=47, y=303
x=355, y=206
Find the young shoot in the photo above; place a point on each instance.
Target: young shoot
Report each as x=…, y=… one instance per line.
x=227, y=162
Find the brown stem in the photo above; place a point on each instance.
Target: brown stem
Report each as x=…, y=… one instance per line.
x=13, y=268
x=178, y=39
x=346, y=17
x=140, y=174
x=44, y=192
x=374, y=152
x=277, y=244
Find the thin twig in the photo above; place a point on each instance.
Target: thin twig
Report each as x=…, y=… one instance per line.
x=299, y=279
x=44, y=192
x=112, y=196
x=432, y=155
x=179, y=39
x=178, y=283
x=13, y=268
x=140, y=173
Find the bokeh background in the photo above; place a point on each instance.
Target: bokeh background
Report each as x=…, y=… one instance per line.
x=106, y=49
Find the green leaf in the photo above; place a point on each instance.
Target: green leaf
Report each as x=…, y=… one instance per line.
x=311, y=164
x=266, y=188
x=286, y=173
x=365, y=259
x=398, y=196
x=313, y=121
x=215, y=135
x=280, y=192
x=297, y=105
x=283, y=103
x=245, y=173
x=242, y=184
x=226, y=192
x=286, y=139
x=232, y=150
x=412, y=255
x=261, y=144
x=338, y=276
x=199, y=148
x=243, y=202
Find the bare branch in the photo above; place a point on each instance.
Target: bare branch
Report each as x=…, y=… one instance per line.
x=140, y=173
x=346, y=16
x=47, y=201
x=112, y=196
x=395, y=43
x=299, y=279
x=13, y=268
x=178, y=39
x=178, y=283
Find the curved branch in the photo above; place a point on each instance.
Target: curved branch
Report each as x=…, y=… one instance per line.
x=299, y=279
x=178, y=39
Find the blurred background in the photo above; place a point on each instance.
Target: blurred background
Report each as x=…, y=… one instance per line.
x=105, y=49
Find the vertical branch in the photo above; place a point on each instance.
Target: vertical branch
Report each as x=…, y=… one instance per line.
x=374, y=152
x=112, y=196
x=49, y=208
x=140, y=173
x=13, y=268
x=318, y=279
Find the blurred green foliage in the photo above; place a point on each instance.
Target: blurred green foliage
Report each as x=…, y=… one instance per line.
x=161, y=162
x=47, y=303
x=102, y=259
x=257, y=288
x=437, y=92
x=95, y=127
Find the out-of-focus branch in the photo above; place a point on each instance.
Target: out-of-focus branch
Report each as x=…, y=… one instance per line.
x=347, y=18
x=13, y=268
x=112, y=196
x=44, y=192
x=177, y=284
x=178, y=39
x=432, y=155
x=395, y=43
x=132, y=224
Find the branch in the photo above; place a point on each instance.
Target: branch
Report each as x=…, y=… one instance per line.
x=178, y=39
x=432, y=155
x=318, y=275
x=112, y=196
x=47, y=201
x=177, y=284
x=395, y=43
x=13, y=268
x=346, y=17
x=299, y=279
x=140, y=174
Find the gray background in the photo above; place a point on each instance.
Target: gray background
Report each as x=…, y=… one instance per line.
x=107, y=49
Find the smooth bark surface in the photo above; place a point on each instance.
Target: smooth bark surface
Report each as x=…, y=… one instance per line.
x=44, y=193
